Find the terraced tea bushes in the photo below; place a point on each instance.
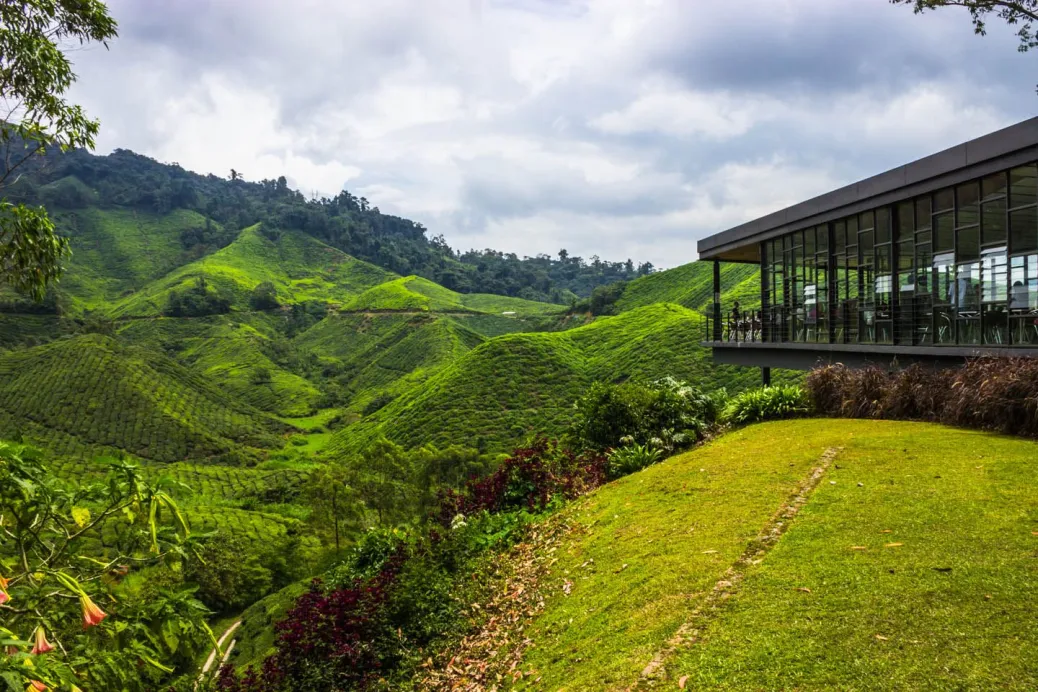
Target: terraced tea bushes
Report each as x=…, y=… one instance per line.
x=522, y=384
x=105, y=396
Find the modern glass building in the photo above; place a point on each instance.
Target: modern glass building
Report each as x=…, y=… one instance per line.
x=936, y=260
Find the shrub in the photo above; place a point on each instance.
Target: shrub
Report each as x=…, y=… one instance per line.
x=767, y=403
x=667, y=414
x=229, y=576
x=529, y=479
x=264, y=297
x=631, y=458
x=999, y=394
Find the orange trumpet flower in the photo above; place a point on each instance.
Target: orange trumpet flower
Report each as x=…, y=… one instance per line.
x=41, y=646
x=92, y=615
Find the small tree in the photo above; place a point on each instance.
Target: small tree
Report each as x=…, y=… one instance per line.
x=333, y=502
x=264, y=297
x=34, y=76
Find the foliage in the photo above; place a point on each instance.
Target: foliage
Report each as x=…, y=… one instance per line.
x=197, y=301
x=127, y=181
x=264, y=296
x=34, y=76
x=52, y=574
x=332, y=500
x=1021, y=14
x=766, y=403
x=230, y=574
x=530, y=478
x=692, y=286
x=402, y=591
x=632, y=457
x=999, y=394
x=666, y=414
x=603, y=300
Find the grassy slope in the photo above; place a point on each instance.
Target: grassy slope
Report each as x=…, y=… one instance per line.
x=415, y=294
x=300, y=267
x=691, y=285
x=518, y=384
x=228, y=350
x=649, y=546
x=116, y=251
x=86, y=394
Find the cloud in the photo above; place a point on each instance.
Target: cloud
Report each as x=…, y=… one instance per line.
x=610, y=127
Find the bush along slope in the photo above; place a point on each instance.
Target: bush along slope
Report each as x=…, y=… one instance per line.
x=999, y=394
x=401, y=593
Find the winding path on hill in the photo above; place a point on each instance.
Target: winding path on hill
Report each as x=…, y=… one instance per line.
x=219, y=644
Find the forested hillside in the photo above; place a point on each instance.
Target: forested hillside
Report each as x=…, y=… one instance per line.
x=168, y=216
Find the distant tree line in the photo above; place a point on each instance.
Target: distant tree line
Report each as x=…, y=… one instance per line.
x=78, y=179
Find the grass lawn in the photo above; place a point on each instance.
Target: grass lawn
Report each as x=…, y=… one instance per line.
x=936, y=552
x=941, y=597
x=655, y=541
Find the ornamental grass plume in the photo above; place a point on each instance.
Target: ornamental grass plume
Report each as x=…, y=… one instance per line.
x=41, y=646
x=92, y=615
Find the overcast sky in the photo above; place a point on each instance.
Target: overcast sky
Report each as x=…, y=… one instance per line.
x=623, y=128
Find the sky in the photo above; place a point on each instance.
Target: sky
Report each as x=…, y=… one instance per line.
x=617, y=128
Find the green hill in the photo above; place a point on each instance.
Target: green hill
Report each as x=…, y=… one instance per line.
x=520, y=384
x=88, y=394
x=300, y=267
x=232, y=352
x=415, y=294
x=691, y=285
x=118, y=251
x=910, y=565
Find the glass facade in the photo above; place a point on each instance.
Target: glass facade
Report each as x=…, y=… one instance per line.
x=959, y=266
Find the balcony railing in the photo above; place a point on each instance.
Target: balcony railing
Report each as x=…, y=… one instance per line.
x=903, y=325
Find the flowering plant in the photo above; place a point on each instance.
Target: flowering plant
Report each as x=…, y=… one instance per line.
x=68, y=617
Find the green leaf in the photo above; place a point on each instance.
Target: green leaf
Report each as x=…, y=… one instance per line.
x=170, y=635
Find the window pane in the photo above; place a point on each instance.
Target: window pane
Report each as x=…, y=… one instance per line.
x=883, y=225
x=823, y=238
x=840, y=235
x=809, y=241
x=865, y=243
x=993, y=274
x=1023, y=230
x=943, y=275
x=993, y=222
x=852, y=230
x=922, y=213
x=867, y=221
x=944, y=240
x=905, y=221
x=969, y=243
x=904, y=254
x=993, y=186
x=967, y=197
x=943, y=200
x=1023, y=186
x=883, y=259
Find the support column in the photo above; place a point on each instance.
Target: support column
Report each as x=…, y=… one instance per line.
x=765, y=376
x=717, y=300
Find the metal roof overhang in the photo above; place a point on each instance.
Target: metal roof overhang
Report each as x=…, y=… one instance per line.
x=1012, y=146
